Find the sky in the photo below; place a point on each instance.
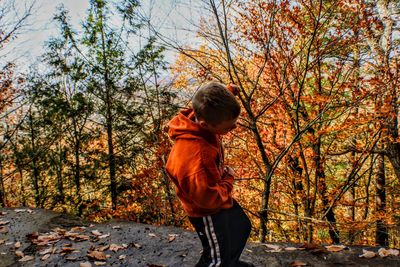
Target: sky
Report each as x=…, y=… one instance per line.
x=39, y=27
x=173, y=18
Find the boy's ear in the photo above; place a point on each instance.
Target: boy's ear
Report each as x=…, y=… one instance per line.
x=203, y=124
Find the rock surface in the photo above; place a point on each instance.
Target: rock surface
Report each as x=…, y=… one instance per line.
x=46, y=238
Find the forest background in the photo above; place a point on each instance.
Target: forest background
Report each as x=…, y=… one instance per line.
x=317, y=153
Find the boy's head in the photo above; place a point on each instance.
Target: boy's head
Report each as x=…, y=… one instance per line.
x=216, y=108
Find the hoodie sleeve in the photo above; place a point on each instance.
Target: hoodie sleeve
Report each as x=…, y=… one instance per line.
x=206, y=188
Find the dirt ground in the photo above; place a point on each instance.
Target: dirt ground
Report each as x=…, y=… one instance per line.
x=37, y=237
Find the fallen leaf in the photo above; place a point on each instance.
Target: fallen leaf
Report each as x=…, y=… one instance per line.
x=26, y=258
x=298, y=263
x=383, y=253
x=103, y=248
x=97, y=255
x=273, y=247
x=367, y=254
x=78, y=228
x=152, y=235
x=19, y=253
x=17, y=244
x=3, y=230
x=115, y=247
x=122, y=257
x=85, y=264
x=116, y=227
x=50, y=237
x=99, y=263
x=137, y=245
x=291, y=249
x=45, y=257
x=4, y=222
x=2, y=241
x=3, y=213
x=71, y=258
x=46, y=251
x=79, y=238
x=172, y=237
x=60, y=231
x=394, y=252
x=23, y=210
x=335, y=248
x=96, y=232
x=103, y=236
x=67, y=249
x=314, y=248
x=32, y=236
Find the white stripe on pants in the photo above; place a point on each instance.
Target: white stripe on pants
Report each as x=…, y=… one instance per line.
x=212, y=237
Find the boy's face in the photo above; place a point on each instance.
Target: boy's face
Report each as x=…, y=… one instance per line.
x=222, y=128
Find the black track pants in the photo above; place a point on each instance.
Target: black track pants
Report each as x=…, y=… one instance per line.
x=223, y=236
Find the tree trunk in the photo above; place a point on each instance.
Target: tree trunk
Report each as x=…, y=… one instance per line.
x=297, y=185
x=382, y=236
x=77, y=174
x=2, y=191
x=35, y=169
x=109, y=116
x=321, y=184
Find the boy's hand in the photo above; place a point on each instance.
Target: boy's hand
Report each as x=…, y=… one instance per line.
x=228, y=170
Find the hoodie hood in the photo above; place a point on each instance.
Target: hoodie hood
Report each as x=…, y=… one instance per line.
x=183, y=126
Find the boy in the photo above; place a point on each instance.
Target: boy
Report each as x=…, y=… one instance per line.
x=203, y=184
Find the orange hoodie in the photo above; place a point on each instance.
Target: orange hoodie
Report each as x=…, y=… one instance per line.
x=196, y=167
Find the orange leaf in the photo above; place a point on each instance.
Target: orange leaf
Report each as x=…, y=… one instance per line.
x=97, y=255
x=298, y=263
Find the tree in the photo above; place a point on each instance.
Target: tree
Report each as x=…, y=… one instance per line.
x=10, y=27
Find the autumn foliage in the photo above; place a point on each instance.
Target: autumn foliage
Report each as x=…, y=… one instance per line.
x=317, y=153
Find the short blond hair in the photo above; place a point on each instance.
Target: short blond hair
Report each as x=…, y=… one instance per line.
x=214, y=103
